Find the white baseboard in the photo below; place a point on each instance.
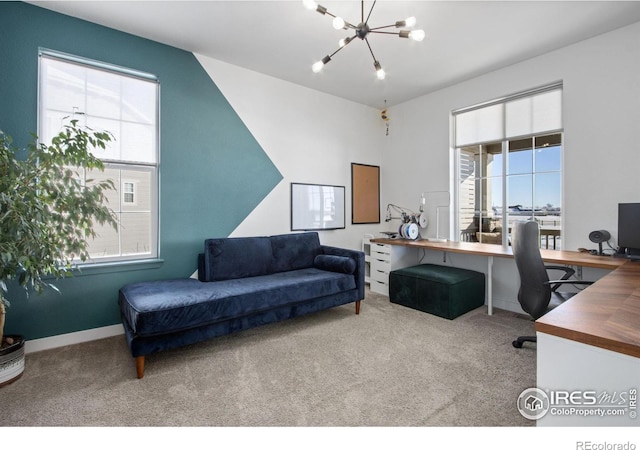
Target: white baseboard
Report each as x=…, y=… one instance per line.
x=61, y=340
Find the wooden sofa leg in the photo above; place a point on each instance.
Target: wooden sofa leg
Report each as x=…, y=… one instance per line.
x=140, y=366
x=358, y=307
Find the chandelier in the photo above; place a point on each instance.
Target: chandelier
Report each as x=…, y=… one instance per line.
x=362, y=30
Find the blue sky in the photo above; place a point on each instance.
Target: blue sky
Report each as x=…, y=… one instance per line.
x=547, y=179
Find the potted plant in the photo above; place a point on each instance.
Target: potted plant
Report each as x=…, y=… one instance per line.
x=47, y=216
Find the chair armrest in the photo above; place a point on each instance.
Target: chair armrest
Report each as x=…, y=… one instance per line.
x=555, y=284
x=568, y=271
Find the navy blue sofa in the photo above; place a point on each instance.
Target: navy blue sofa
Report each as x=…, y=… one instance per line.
x=242, y=283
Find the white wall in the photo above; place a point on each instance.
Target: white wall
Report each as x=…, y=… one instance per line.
x=311, y=137
x=601, y=116
x=601, y=109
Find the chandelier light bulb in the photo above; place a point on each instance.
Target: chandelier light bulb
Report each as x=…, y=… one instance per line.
x=344, y=41
x=379, y=71
x=317, y=67
x=338, y=23
x=408, y=22
x=309, y=4
x=417, y=35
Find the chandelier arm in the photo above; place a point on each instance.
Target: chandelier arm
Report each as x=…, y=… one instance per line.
x=370, y=51
x=370, y=11
x=397, y=33
x=340, y=48
x=351, y=39
x=380, y=28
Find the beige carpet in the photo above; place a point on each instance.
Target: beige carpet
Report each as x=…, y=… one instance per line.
x=389, y=366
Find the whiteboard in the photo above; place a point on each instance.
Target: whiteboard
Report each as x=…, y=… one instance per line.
x=317, y=207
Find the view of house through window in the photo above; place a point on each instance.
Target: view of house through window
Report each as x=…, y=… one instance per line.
x=128, y=190
x=125, y=103
x=513, y=176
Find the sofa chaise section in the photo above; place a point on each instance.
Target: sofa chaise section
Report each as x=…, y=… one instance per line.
x=242, y=283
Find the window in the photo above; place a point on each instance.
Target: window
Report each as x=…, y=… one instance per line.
x=128, y=191
x=509, y=166
x=125, y=103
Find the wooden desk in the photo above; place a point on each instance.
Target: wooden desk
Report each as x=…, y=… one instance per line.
x=605, y=315
x=470, y=248
x=476, y=248
x=491, y=251
x=590, y=342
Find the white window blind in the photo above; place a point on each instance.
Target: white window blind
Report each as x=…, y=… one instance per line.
x=526, y=113
x=534, y=115
x=480, y=125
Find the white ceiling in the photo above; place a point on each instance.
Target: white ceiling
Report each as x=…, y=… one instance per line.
x=283, y=39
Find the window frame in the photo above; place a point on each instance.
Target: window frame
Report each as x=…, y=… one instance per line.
x=504, y=141
x=110, y=163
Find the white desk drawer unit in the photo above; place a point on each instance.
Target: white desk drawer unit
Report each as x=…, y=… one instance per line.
x=384, y=259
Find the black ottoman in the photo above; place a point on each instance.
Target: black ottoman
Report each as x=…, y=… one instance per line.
x=441, y=290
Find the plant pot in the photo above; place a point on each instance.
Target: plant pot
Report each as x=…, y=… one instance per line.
x=12, y=360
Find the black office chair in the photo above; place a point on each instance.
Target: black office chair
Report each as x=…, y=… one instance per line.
x=537, y=294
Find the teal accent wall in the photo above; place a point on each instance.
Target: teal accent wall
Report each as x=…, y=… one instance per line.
x=213, y=172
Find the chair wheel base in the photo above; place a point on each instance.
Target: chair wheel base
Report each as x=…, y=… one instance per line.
x=522, y=339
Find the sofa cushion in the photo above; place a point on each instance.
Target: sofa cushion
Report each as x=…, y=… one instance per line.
x=200, y=273
x=229, y=258
x=294, y=251
x=342, y=264
x=161, y=307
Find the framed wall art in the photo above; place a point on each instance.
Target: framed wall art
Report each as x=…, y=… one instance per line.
x=317, y=207
x=365, y=193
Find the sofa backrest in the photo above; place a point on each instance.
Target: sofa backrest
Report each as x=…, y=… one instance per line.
x=229, y=258
x=294, y=251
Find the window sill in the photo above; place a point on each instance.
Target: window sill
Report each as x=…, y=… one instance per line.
x=117, y=266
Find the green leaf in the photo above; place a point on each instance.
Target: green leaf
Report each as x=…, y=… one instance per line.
x=46, y=214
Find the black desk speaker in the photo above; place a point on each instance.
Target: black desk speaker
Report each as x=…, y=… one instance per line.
x=599, y=236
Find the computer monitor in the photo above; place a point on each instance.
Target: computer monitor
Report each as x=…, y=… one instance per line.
x=629, y=230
